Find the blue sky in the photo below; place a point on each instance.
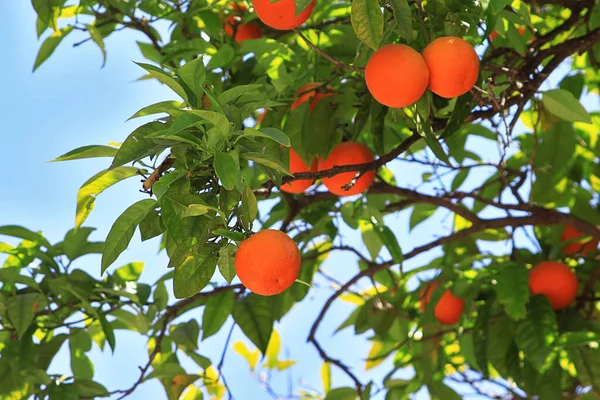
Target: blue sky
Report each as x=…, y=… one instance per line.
x=70, y=102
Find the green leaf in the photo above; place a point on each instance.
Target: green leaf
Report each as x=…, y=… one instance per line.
x=574, y=339
x=481, y=336
x=122, y=230
x=459, y=179
x=344, y=393
x=424, y=129
x=130, y=272
x=253, y=316
x=403, y=17
x=136, y=146
x=268, y=161
x=86, y=196
x=76, y=241
x=195, y=271
x=90, y=389
x=186, y=335
x=227, y=168
x=564, y=105
x=87, y=152
x=157, y=108
x=165, y=78
x=161, y=296
x=151, y=226
x=222, y=57
x=81, y=365
x=557, y=148
x=390, y=241
x=219, y=120
x=536, y=335
x=420, y=213
x=50, y=45
x=498, y=5
x=226, y=262
x=108, y=330
x=193, y=74
x=439, y=391
x=271, y=133
x=216, y=312
x=149, y=52
x=249, y=207
x=367, y=21
x=21, y=310
x=371, y=239
x=512, y=289
x=24, y=233
x=301, y=5
x=231, y=95
x=97, y=38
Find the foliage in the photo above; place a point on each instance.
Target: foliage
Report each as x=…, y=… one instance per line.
x=208, y=168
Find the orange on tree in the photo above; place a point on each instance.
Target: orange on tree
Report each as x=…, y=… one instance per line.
x=453, y=66
x=580, y=246
x=243, y=31
x=312, y=92
x=495, y=34
x=281, y=14
x=297, y=165
x=448, y=309
x=347, y=153
x=396, y=75
x=554, y=280
x=268, y=262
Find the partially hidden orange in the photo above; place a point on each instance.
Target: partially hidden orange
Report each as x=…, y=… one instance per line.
x=347, y=153
x=580, y=246
x=296, y=166
x=281, y=14
x=243, y=31
x=453, y=66
x=268, y=262
x=554, y=280
x=448, y=309
x=312, y=92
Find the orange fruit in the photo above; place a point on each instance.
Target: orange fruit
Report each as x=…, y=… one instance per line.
x=580, y=246
x=426, y=291
x=347, y=153
x=453, y=66
x=449, y=307
x=297, y=165
x=310, y=92
x=282, y=14
x=243, y=31
x=268, y=262
x=495, y=34
x=554, y=280
x=396, y=75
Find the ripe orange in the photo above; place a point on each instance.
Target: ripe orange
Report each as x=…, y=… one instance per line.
x=243, y=31
x=282, y=14
x=268, y=262
x=297, y=165
x=311, y=92
x=426, y=291
x=396, y=75
x=449, y=307
x=453, y=66
x=579, y=246
x=495, y=34
x=347, y=153
x=554, y=280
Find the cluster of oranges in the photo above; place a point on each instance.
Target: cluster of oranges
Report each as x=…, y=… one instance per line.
x=552, y=279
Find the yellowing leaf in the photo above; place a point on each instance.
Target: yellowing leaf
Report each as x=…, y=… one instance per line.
x=326, y=377
x=272, y=352
x=250, y=356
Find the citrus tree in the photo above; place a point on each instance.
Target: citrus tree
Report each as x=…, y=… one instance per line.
x=298, y=108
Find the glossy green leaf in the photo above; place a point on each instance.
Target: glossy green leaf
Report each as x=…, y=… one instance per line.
x=158, y=108
x=216, y=312
x=249, y=207
x=87, y=152
x=165, y=78
x=136, y=146
x=50, y=44
x=268, y=161
x=344, y=393
x=367, y=21
x=193, y=74
x=24, y=233
x=227, y=168
x=271, y=133
x=564, y=105
x=403, y=17
x=122, y=230
x=21, y=310
x=195, y=271
x=253, y=316
x=226, y=262
x=86, y=196
x=512, y=289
